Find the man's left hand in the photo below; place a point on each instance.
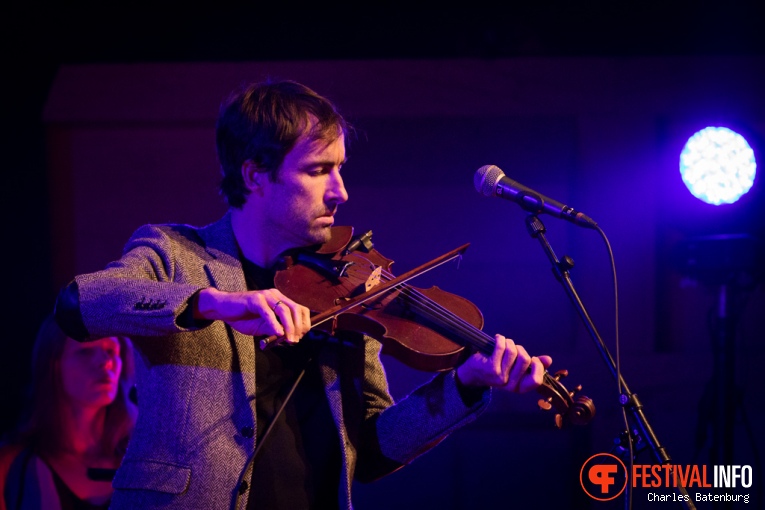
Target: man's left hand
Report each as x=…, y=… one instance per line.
x=509, y=368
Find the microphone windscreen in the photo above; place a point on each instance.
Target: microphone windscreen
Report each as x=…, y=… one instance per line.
x=486, y=178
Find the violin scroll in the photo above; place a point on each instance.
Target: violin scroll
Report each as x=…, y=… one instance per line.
x=570, y=410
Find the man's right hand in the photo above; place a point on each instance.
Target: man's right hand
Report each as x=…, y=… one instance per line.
x=257, y=313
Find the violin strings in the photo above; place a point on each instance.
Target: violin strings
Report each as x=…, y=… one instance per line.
x=442, y=316
x=432, y=308
x=439, y=314
x=480, y=339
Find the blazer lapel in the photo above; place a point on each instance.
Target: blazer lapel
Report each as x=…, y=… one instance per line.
x=224, y=269
x=329, y=367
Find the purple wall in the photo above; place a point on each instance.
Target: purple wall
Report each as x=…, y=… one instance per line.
x=131, y=144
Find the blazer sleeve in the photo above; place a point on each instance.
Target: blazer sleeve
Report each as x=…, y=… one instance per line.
x=394, y=434
x=147, y=292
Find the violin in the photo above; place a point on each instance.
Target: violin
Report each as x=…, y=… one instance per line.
x=347, y=285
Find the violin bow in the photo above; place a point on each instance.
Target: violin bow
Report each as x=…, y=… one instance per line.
x=378, y=290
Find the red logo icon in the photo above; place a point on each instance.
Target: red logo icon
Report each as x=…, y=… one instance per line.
x=603, y=476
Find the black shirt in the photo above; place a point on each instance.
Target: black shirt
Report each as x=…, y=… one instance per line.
x=299, y=464
x=69, y=500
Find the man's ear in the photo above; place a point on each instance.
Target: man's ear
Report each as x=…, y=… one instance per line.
x=252, y=175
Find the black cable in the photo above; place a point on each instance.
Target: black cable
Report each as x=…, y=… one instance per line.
x=628, y=489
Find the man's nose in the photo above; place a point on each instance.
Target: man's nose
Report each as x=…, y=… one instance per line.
x=336, y=191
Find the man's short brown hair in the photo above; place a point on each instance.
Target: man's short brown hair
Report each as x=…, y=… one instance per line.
x=262, y=123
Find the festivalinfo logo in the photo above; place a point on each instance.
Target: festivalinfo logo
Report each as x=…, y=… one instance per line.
x=604, y=477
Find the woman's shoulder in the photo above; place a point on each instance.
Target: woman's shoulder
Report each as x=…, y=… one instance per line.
x=8, y=454
x=25, y=477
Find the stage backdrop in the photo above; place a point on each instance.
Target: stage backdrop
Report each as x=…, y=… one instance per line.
x=134, y=144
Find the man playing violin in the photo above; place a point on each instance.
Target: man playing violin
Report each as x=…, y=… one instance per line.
x=210, y=432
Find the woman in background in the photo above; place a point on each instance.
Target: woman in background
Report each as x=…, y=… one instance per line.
x=76, y=425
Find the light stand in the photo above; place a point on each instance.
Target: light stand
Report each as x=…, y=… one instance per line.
x=723, y=384
x=730, y=264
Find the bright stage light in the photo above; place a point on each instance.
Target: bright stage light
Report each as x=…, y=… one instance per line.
x=717, y=165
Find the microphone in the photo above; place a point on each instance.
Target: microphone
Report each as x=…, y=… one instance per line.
x=491, y=181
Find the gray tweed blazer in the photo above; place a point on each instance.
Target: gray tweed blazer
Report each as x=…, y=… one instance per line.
x=196, y=382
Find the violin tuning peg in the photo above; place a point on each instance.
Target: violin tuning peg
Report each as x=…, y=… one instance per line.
x=559, y=421
x=544, y=404
x=578, y=388
x=560, y=374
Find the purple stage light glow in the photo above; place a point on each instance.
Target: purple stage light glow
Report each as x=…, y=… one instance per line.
x=717, y=165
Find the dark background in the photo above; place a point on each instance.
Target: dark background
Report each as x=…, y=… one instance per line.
x=38, y=40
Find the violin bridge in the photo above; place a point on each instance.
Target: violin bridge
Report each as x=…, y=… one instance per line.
x=374, y=279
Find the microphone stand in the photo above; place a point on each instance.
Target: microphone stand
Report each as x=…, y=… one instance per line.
x=627, y=399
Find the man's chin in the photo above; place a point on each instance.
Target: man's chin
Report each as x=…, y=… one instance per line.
x=320, y=235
